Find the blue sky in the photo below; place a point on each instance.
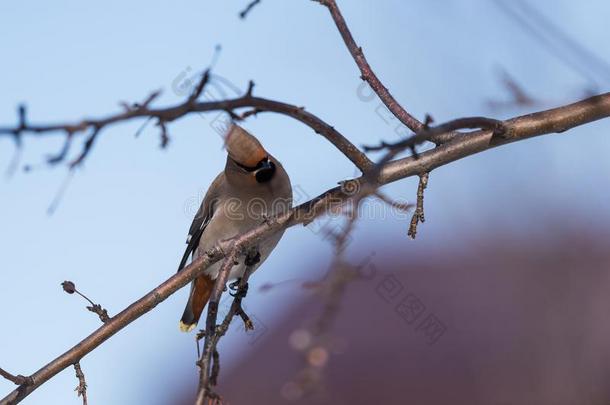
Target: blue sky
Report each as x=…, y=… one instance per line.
x=120, y=228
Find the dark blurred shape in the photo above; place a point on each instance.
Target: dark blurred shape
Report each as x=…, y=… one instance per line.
x=516, y=319
x=517, y=95
x=68, y=287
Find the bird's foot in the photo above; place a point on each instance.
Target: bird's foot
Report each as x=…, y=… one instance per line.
x=253, y=258
x=234, y=286
x=239, y=292
x=239, y=295
x=248, y=324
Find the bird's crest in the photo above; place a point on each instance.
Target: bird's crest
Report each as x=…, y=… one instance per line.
x=243, y=147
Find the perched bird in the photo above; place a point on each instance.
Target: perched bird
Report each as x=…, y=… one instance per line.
x=252, y=187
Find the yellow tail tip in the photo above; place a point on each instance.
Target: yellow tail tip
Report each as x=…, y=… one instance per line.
x=187, y=328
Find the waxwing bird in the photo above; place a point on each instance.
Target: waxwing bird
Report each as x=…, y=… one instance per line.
x=252, y=187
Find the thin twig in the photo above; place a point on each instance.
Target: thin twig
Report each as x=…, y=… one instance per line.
x=244, y=13
x=59, y=195
x=205, y=77
x=440, y=133
x=518, y=97
x=405, y=207
x=418, y=215
x=366, y=72
x=81, y=389
x=70, y=288
x=164, y=134
x=86, y=147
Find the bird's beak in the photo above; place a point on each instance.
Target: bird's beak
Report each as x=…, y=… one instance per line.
x=264, y=171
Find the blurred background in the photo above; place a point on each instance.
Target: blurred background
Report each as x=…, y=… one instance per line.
x=511, y=264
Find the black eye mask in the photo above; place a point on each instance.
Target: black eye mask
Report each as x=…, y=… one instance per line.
x=263, y=171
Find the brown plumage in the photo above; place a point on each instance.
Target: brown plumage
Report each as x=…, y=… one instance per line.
x=252, y=187
x=202, y=289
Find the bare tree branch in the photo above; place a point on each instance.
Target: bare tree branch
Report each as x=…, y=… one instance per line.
x=16, y=379
x=169, y=114
x=209, y=360
x=556, y=120
x=366, y=72
x=440, y=134
x=210, y=327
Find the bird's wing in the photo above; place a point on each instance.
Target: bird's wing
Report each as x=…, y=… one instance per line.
x=201, y=220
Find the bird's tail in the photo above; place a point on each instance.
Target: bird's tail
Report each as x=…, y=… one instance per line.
x=200, y=294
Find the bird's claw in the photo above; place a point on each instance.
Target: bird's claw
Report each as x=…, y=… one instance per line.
x=238, y=292
x=234, y=286
x=253, y=258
